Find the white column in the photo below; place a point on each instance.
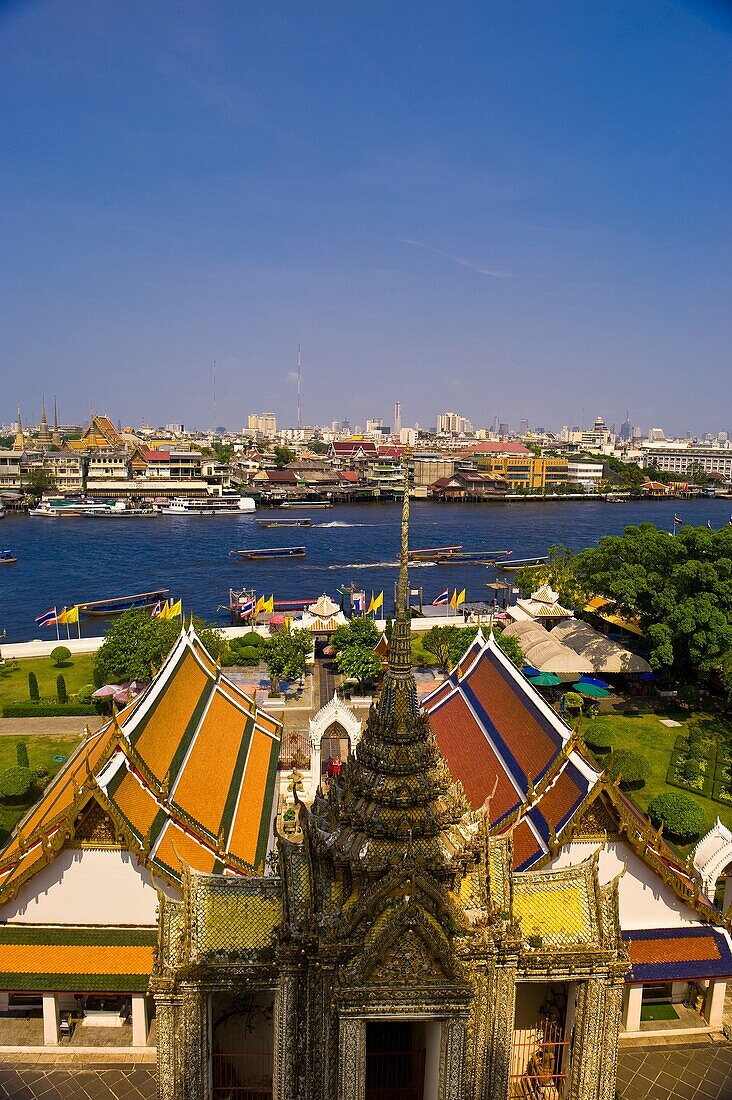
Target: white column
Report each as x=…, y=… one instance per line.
x=632, y=1007
x=139, y=1020
x=727, y=894
x=51, y=1020
x=714, y=1003
x=433, y=1043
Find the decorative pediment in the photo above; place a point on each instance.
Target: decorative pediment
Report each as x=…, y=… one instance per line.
x=96, y=829
x=408, y=961
x=596, y=822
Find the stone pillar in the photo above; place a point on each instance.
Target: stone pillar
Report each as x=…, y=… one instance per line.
x=51, y=1020
x=632, y=1002
x=452, y=1060
x=352, y=1059
x=197, y=1051
x=595, y=1046
x=714, y=1003
x=502, y=1002
x=285, y=1038
x=727, y=900
x=171, y=1082
x=139, y=1020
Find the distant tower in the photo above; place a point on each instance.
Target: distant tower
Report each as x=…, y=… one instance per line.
x=19, y=441
x=56, y=434
x=44, y=434
x=397, y=418
x=299, y=406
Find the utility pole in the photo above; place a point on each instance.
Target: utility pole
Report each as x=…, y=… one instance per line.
x=214, y=399
x=299, y=409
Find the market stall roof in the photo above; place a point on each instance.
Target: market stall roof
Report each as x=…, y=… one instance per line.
x=545, y=653
x=604, y=654
x=597, y=606
x=590, y=690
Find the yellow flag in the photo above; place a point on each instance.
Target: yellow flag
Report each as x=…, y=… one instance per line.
x=453, y=598
x=260, y=605
x=460, y=599
x=269, y=606
x=175, y=610
x=372, y=605
x=63, y=617
x=72, y=616
x=378, y=602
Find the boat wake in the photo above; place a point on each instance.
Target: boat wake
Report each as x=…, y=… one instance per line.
x=340, y=523
x=384, y=565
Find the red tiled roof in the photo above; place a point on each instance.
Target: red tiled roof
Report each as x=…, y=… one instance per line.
x=350, y=475
x=526, y=847
x=156, y=456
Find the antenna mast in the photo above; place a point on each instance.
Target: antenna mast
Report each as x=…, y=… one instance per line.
x=214, y=398
x=299, y=410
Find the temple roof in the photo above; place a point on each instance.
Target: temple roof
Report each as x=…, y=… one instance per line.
x=78, y=959
x=185, y=773
x=679, y=954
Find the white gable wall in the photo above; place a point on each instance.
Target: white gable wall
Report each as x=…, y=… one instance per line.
x=86, y=886
x=644, y=899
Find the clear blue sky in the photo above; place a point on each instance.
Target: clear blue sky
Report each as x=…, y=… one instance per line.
x=504, y=208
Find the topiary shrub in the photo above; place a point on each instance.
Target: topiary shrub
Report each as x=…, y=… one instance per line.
x=691, y=770
x=599, y=738
x=250, y=655
x=632, y=768
x=61, y=693
x=84, y=694
x=21, y=754
x=41, y=771
x=16, y=785
x=251, y=639
x=682, y=817
x=60, y=655
x=33, y=693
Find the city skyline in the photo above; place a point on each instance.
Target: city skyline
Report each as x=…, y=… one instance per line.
x=520, y=209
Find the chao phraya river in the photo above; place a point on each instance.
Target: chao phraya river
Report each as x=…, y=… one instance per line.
x=62, y=562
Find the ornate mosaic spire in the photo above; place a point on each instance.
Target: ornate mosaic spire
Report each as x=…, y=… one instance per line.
x=400, y=806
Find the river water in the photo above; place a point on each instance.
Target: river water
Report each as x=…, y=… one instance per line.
x=62, y=562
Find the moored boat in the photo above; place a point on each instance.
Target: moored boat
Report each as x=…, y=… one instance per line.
x=211, y=506
x=306, y=504
x=432, y=553
x=515, y=564
x=101, y=609
x=7, y=557
x=302, y=521
x=472, y=557
x=270, y=552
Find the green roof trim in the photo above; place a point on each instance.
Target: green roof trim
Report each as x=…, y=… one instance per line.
x=43, y=934
x=75, y=983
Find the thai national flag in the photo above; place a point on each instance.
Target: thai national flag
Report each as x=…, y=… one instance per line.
x=48, y=618
x=678, y=519
x=358, y=602
x=157, y=610
x=442, y=599
x=246, y=608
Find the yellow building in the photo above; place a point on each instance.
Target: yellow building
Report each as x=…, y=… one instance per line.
x=525, y=471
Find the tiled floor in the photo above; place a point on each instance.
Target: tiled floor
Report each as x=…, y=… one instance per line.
x=702, y=1072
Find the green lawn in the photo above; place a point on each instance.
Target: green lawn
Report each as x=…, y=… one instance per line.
x=645, y=734
x=41, y=750
x=421, y=658
x=78, y=671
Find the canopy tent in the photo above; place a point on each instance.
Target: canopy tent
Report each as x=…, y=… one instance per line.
x=545, y=679
x=592, y=680
x=590, y=690
x=605, y=655
x=597, y=606
x=529, y=670
x=545, y=653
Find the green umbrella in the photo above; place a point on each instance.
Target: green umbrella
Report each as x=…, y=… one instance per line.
x=592, y=690
x=546, y=680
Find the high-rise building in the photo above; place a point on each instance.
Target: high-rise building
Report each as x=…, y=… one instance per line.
x=397, y=417
x=626, y=429
x=452, y=423
x=523, y=427
x=263, y=423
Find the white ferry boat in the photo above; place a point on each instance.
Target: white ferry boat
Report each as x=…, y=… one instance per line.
x=213, y=506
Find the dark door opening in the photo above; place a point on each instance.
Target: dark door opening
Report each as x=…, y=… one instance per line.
x=395, y=1060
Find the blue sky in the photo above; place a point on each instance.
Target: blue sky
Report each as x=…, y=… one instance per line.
x=509, y=208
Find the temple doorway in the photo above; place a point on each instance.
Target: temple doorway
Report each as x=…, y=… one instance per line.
x=541, y=1048
x=242, y=1043
x=335, y=746
x=396, y=1053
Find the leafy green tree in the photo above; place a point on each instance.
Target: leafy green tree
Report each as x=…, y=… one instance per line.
x=360, y=663
x=632, y=768
x=682, y=816
x=283, y=456
x=137, y=644
x=696, y=474
x=60, y=655
x=436, y=641
x=286, y=654
x=39, y=481
x=360, y=631
x=511, y=648
x=16, y=785
x=61, y=693
x=680, y=588
x=33, y=693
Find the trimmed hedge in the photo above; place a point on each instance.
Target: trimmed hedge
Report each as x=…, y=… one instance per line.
x=682, y=817
x=16, y=785
x=61, y=693
x=46, y=710
x=632, y=768
x=598, y=738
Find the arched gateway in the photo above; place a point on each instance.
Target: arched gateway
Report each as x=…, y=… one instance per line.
x=383, y=958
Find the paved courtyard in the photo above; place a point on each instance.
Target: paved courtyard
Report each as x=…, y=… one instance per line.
x=701, y=1072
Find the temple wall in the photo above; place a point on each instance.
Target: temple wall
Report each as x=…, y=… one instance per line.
x=86, y=886
x=645, y=901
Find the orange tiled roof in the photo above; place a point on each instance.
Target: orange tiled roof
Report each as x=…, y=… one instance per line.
x=187, y=770
x=82, y=960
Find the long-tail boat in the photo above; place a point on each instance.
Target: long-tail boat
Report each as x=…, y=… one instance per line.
x=270, y=552
x=294, y=521
x=432, y=553
x=101, y=609
x=515, y=564
x=472, y=557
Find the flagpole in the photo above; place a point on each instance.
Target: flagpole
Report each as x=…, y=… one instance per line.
x=58, y=632
x=68, y=633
